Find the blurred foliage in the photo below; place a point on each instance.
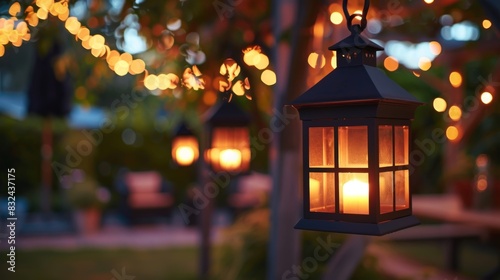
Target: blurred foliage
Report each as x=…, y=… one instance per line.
x=243, y=254
x=151, y=127
x=83, y=195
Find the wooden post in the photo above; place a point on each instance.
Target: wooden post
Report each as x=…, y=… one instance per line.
x=46, y=169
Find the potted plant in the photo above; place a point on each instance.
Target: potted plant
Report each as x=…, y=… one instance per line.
x=87, y=198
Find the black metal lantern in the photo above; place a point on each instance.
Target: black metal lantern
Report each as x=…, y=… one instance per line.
x=228, y=147
x=356, y=139
x=185, y=147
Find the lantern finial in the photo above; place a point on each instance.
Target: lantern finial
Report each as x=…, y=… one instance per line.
x=356, y=49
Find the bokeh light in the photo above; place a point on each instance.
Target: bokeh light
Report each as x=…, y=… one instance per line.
x=439, y=104
x=452, y=133
x=391, y=64
x=455, y=113
x=316, y=60
x=455, y=79
x=486, y=97
x=263, y=62
x=435, y=47
x=268, y=77
x=424, y=63
x=486, y=24
x=336, y=18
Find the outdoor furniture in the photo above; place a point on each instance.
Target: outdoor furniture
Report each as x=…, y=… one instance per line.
x=147, y=195
x=249, y=192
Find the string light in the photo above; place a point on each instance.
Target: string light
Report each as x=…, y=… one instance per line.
x=391, y=63
x=455, y=113
x=486, y=24
x=455, y=79
x=424, y=63
x=124, y=63
x=486, y=97
x=439, y=104
x=452, y=133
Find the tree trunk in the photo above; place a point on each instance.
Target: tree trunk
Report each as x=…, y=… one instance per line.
x=286, y=166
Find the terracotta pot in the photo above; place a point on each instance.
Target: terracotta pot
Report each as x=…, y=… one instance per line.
x=87, y=220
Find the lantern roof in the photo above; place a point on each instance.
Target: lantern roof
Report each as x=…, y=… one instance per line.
x=226, y=114
x=183, y=130
x=356, y=79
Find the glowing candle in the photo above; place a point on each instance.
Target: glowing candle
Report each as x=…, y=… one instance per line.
x=355, y=197
x=230, y=159
x=314, y=193
x=184, y=155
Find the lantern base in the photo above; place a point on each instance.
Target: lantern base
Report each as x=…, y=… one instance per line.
x=358, y=228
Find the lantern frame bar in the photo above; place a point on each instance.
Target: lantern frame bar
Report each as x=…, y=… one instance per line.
x=373, y=170
x=356, y=227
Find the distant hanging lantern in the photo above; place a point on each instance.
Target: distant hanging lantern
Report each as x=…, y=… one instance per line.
x=228, y=147
x=185, y=149
x=356, y=139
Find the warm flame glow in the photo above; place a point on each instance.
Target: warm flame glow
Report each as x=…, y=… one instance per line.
x=355, y=197
x=230, y=159
x=184, y=155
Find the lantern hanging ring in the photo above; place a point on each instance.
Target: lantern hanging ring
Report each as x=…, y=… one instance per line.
x=357, y=28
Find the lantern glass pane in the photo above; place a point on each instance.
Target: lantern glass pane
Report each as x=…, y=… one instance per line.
x=230, y=149
x=322, y=192
x=401, y=141
x=353, y=146
x=321, y=152
x=354, y=193
x=385, y=145
x=386, y=192
x=402, y=189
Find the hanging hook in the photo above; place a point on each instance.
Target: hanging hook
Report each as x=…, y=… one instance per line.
x=357, y=28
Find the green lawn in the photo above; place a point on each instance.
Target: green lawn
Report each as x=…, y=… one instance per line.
x=99, y=264
x=475, y=259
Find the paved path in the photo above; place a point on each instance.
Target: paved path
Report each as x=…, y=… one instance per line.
x=156, y=236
